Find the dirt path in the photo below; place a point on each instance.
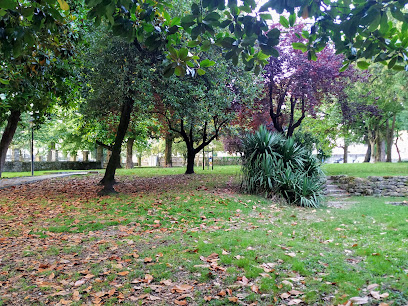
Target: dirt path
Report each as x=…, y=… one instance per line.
x=15, y=181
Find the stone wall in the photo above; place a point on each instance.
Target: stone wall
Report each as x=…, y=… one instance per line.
x=42, y=166
x=393, y=186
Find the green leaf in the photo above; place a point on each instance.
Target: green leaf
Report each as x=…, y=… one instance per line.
x=206, y=46
x=180, y=71
x=375, y=23
x=212, y=17
x=384, y=27
x=344, y=67
x=195, y=32
x=3, y=81
x=299, y=46
x=262, y=56
x=398, y=68
x=274, y=33
x=200, y=71
x=363, y=65
x=168, y=71
x=206, y=63
x=292, y=19
x=284, y=22
x=175, y=21
x=182, y=54
x=193, y=43
x=8, y=4
x=392, y=62
x=63, y=5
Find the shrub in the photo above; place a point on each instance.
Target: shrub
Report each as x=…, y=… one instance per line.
x=273, y=164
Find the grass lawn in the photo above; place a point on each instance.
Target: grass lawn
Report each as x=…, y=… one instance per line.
x=367, y=169
x=178, y=240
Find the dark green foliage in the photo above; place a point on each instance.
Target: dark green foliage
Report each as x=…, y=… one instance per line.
x=274, y=164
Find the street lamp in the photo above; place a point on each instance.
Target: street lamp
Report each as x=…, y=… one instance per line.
x=32, y=146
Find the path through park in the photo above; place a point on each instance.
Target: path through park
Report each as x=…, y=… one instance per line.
x=15, y=181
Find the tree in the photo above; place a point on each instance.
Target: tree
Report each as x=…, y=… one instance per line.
x=296, y=87
x=360, y=30
x=36, y=44
x=119, y=82
x=371, y=107
x=198, y=109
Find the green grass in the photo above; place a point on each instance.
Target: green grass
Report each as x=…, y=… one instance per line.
x=367, y=169
x=357, y=170
x=323, y=252
x=155, y=171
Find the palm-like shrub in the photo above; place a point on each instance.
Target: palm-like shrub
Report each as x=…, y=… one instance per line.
x=273, y=164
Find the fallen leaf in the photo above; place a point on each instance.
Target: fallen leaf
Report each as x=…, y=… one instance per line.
x=207, y=298
x=181, y=288
x=372, y=286
x=284, y=295
x=123, y=273
x=243, y=280
x=359, y=300
x=182, y=302
x=291, y=254
x=233, y=299
x=76, y=296
x=295, y=302
x=79, y=282
x=147, y=260
x=166, y=282
x=222, y=293
x=148, y=278
x=295, y=292
x=224, y=252
x=255, y=288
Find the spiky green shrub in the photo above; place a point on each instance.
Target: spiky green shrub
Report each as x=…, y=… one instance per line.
x=273, y=164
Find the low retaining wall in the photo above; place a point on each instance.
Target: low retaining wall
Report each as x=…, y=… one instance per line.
x=392, y=186
x=42, y=166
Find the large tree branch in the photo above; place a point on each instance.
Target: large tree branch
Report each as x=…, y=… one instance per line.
x=103, y=145
x=214, y=136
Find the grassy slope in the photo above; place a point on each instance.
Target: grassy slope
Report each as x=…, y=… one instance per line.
x=367, y=169
x=330, y=255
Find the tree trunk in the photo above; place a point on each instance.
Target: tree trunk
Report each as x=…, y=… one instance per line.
x=372, y=145
x=99, y=155
x=129, y=153
x=396, y=146
x=378, y=147
x=50, y=149
x=139, y=160
x=8, y=134
x=390, y=138
x=168, y=150
x=368, y=153
x=383, y=150
x=345, y=153
x=109, y=178
x=85, y=156
x=190, y=160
